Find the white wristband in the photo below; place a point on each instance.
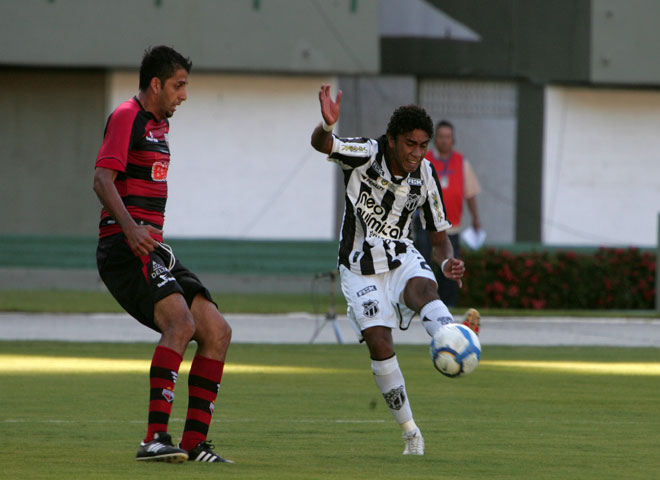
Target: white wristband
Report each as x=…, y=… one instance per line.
x=328, y=128
x=442, y=266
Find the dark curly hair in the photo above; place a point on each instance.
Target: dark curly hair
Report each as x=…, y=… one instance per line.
x=161, y=62
x=408, y=118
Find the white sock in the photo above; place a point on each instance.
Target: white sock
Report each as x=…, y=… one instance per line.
x=409, y=427
x=390, y=381
x=435, y=315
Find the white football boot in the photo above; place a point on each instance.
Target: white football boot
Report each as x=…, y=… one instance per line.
x=414, y=443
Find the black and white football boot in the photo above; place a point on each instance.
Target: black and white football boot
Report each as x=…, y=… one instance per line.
x=203, y=453
x=161, y=449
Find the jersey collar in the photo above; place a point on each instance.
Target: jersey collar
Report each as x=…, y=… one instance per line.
x=153, y=117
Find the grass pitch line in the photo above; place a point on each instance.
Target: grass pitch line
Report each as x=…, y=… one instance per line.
x=35, y=364
x=587, y=368
x=26, y=364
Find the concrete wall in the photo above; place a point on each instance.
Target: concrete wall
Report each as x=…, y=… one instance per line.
x=625, y=42
x=51, y=127
x=484, y=117
x=242, y=165
x=601, y=166
x=368, y=102
x=230, y=35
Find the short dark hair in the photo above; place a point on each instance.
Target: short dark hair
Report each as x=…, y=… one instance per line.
x=444, y=123
x=161, y=62
x=408, y=118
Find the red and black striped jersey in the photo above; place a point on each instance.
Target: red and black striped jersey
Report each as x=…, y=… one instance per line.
x=135, y=144
x=379, y=207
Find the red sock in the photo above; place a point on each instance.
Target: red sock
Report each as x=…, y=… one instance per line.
x=162, y=378
x=203, y=386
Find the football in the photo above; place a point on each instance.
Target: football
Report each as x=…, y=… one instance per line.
x=455, y=350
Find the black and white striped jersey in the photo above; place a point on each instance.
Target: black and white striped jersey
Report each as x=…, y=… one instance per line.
x=379, y=208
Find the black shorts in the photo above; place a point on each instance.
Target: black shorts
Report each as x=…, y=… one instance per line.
x=137, y=283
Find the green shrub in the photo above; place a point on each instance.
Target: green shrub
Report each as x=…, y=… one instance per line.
x=609, y=278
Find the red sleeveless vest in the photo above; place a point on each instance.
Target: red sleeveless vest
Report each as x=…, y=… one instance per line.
x=450, y=175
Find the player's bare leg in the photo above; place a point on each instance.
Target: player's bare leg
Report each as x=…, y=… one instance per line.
x=176, y=323
x=213, y=335
x=212, y=332
x=390, y=382
x=379, y=341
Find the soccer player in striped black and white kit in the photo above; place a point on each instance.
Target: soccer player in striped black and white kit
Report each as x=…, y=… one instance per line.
x=385, y=280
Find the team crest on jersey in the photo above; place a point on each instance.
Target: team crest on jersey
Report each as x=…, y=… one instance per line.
x=159, y=171
x=412, y=201
x=370, y=308
x=415, y=182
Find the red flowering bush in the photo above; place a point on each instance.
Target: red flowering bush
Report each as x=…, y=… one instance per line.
x=609, y=278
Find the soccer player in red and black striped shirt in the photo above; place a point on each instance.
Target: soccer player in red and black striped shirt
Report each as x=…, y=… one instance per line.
x=142, y=272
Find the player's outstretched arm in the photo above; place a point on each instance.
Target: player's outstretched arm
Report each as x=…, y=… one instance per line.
x=137, y=235
x=443, y=255
x=322, y=134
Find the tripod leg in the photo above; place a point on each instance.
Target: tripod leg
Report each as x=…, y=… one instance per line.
x=335, y=325
x=317, y=330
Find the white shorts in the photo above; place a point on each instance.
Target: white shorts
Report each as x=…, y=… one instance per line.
x=377, y=300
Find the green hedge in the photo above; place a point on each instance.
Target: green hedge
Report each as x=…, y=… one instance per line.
x=609, y=278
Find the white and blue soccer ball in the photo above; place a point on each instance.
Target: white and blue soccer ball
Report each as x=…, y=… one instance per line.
x=455, y=350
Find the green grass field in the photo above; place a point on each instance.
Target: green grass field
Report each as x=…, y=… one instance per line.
x=78, y=411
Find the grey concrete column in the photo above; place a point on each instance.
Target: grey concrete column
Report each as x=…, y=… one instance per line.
x=657, y=270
